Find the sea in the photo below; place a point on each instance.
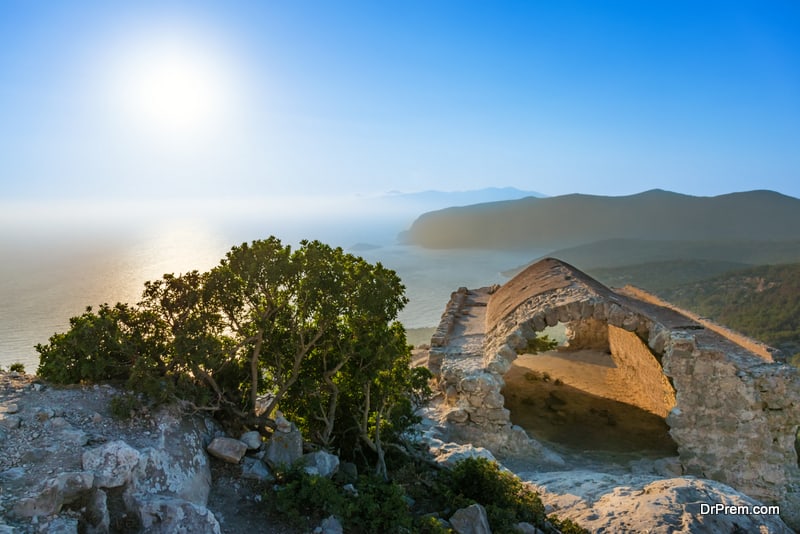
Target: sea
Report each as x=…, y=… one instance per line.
x=57, y=259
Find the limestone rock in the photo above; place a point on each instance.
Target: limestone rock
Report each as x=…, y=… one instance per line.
x=227, y=449
x=613, y=503
x=111, y=463
x=252, y=439
x=284, y=448
x=471, y=520
x=321, y=463
x=169, y=515
x=181, y=467
x=97, y=515
x=329, y=525
x=254, y=469
x=66, y=488
x=450, y=454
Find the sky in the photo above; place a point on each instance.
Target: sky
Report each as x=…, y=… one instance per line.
x=237, y=99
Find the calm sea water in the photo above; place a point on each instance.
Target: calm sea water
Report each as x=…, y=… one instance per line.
x=51, y=270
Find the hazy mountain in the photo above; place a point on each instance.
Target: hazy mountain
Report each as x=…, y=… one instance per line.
x=571, y=220
x=442, y=199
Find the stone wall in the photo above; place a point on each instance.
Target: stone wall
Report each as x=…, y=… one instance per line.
x=734, y=414
x=648, y=388
x=736, y=420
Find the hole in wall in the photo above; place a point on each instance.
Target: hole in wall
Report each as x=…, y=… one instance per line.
x=595, y=391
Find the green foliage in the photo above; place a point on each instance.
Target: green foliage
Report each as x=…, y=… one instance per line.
x=377, y=506
x=506, y=499
x=125, y=406
x=305, y=499
x=761, y=302
x=314, y=327
x=538, y=344
x=17, y=367
x=98, y=346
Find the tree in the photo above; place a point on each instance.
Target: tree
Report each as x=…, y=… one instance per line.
x=315, y=328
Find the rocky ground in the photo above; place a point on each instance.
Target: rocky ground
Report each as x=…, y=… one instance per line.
x=45, y=431
x=68, y=466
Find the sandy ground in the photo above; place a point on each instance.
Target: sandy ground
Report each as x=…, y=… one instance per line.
x=576, y=400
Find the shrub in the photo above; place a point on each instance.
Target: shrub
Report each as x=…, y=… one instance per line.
x=17, y=367
x=306, y=499
x=125, y=406
x=507, y=500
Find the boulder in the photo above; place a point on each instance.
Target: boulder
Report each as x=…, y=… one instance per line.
x=254, y=469
x=252, y=439
x=321, y=463
x=169, y=515
x=329, y=525
x=284, y=448
x=96, y=515
x=179, y=465
x=112, y=463
x=602, y=502
x=66, y=488
x=471, y=520
x=227, y=449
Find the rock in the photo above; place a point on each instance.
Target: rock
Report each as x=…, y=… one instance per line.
x=348, y=472
x=603, y=502
x=471, y=520
x=254, y=469
x=321, y=463
x=12, y=408
x=282, y=424
x=252, y=439
x=284, y=448
x=180, y=469
x=66, y=488
x=450, y=454
x=227, y=449
x=44, y=414
x=10, y=422
x=63, y=525
x=169, y=515
x=329, y=525
x=111, y=463
x=527, y=528
x=96, y=515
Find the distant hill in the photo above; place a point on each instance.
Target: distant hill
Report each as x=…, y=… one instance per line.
x=660, y=276
x=434, y=200
x=572, y=220
x=612, y=253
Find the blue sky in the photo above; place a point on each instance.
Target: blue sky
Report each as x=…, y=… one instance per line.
x=315, y=98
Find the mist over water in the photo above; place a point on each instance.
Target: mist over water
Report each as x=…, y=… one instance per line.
x=58, y=260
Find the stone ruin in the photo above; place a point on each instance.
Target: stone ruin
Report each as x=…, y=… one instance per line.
x=732, y=410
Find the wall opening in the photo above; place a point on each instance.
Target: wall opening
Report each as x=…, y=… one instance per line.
x=600, y=389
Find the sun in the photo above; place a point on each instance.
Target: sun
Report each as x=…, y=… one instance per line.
x=171, y=89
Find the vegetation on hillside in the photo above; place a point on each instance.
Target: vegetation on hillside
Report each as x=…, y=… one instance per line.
x=762, y=302
x=415, y=500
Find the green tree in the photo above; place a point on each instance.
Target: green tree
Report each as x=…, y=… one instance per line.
x=314, y=327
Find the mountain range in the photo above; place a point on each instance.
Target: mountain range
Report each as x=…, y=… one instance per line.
x=574, y=220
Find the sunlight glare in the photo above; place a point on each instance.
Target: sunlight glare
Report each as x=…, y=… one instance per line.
x=173, y=89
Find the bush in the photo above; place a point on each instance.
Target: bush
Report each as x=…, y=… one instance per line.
x=17, y=367
x=507, y=500
x=378, y=507
x=125, y=406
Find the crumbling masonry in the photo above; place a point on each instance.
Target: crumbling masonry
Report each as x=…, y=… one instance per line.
x=732, y=411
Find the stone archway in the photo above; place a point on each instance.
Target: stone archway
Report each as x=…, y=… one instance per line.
x=735, y=412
